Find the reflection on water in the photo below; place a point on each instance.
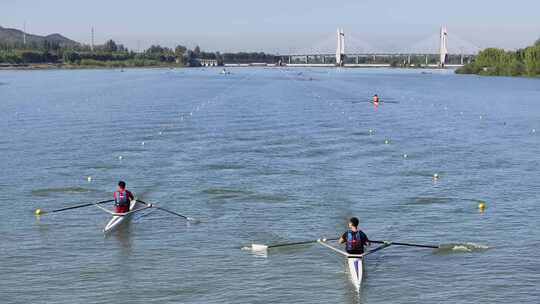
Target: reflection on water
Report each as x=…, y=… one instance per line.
x=123, y=236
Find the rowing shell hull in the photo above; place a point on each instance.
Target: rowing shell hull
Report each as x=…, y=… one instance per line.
x=356, y=270
x=117, y=221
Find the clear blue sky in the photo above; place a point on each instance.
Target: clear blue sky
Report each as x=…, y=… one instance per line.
x=279, y=25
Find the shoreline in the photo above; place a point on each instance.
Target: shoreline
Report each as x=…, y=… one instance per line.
x=61, y=66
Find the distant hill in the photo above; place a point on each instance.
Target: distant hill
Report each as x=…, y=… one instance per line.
x=15, y=36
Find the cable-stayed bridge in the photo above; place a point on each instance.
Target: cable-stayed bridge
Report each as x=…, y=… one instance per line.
x=438, y=50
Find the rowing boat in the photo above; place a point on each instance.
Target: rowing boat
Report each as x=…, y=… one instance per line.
x=356, y=270
x=118, y=219
x=355, y=261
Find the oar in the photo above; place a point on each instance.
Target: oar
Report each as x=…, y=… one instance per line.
x=42, y=212
x=125, y=213
x=351, y=255
x=407, y=244
x=168, y=211
x=262, y=247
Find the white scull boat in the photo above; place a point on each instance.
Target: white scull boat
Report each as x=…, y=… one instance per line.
x=118, y=219
x=356, y=270
x=355, y=261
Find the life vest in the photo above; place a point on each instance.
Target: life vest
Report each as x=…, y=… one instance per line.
x=122, y=198
x=355, y=241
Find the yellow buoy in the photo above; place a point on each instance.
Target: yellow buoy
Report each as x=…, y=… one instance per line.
x=482, y=206
x=38, y=211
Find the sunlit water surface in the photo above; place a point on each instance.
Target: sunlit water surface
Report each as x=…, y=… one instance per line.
x=266, y=156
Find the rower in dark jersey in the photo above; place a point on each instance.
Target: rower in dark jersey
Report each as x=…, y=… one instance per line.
x=122, y=198
x=354, y=239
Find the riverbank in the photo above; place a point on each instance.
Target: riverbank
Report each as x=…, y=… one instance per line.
x=61, y=66
x=498, y=62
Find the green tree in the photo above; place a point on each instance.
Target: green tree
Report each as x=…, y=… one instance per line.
x=110, y=46
x=180, y=50
x=71, y=57
x=197, y=51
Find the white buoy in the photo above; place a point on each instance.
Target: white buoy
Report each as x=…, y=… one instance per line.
x=142, y=143
x=534, y=130
x=405, y=155
x=89, y=179
x=120, y=157
x=436, y=176
x=160, y=132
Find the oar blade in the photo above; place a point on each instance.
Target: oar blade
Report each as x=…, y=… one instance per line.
x=259, y=247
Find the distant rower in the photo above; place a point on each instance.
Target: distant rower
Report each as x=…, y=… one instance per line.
x=355, y=239
x=122, y=198
x=376, y=98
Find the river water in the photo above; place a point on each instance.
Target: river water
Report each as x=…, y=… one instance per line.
x=269, y=156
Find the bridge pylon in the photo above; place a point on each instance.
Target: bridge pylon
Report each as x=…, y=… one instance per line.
x=443, y=50
x=340, y=50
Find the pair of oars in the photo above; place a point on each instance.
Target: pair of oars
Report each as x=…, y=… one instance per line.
x=262, y=247
x=43, y=212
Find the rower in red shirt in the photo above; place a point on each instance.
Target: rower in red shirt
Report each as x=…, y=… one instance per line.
x=122, y=198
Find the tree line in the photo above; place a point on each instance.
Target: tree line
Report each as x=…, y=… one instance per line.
x=113, y=54
x=498, y=62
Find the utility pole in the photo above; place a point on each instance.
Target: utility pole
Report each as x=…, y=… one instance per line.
x=24, y=33
x=92, y=45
